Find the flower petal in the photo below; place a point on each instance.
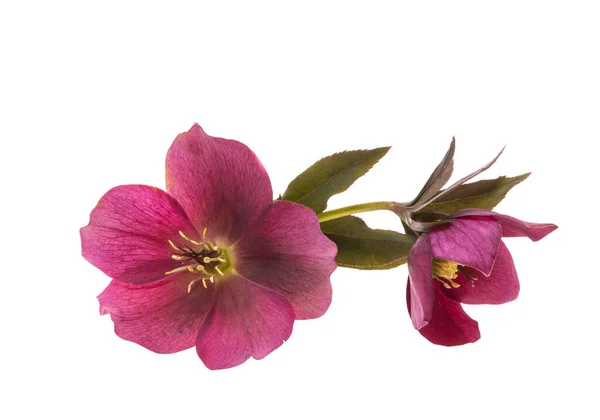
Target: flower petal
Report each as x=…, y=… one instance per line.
x=468, y=241
x=500, y=287
x=246, y=320
x=449, y=324
x=220, y=183
x=285, y=250
x=420, y=282
x=162, y=316
x=511, y=226
x=128, y=233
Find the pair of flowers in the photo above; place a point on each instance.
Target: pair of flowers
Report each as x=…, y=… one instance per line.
x=215, y=263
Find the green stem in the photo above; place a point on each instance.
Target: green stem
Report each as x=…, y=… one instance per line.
x=357, y=208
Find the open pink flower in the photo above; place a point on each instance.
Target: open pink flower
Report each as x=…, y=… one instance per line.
x=213, y=262
x=464, y=261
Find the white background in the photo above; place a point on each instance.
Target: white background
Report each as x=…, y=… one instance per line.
x=92, y=94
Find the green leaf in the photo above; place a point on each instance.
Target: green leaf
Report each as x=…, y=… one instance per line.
x=484, y=194
x=364, y=248
x=331, y=175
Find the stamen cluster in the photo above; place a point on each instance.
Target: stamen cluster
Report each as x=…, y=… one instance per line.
x=209, y=259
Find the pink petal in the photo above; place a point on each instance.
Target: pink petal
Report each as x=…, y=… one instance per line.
x=162, y=316
x=449, y=324
x=246, y=320
x=513, y=227
x=468, y=241
x=285, y=250
x=220, y=183
x=128, y=233
x=500, y=287
x=420, y=282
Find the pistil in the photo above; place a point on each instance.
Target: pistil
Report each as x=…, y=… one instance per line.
x=468, y=275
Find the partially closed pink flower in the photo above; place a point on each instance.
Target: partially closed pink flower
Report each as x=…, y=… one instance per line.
x=213, y=262
x=464, y=261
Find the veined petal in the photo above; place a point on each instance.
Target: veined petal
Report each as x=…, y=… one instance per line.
x=420, y=282
x=162, y=316
x=468, y=241
x=128, y=233
x=511, y=226
x=285, y=250
x=449, y=324
x=220, y=183
x=246, y=320
x=501, y=286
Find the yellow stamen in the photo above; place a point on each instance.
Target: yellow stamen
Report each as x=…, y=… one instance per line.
x=203, y=280
x=445, y=272
x=192, y=268
x=187, y=238
x=184, y=237
x=177, y=270
x=192, y=283
x=174, y=246
x=454, y=284
x=177, y=257
x=218, y=270
x=446, y=285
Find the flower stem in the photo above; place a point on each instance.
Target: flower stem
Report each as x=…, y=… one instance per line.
x=357, y=208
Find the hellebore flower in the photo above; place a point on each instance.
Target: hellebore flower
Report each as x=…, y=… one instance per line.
x=463, y=261
x=213, y=262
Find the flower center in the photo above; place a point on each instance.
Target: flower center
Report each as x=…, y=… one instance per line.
x=202, y=257
x=445, y=272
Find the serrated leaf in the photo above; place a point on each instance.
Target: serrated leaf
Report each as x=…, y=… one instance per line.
x=485, y=194
x=331, y=175
x=364, y=248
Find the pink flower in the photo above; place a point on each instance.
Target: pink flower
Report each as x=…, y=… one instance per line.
x=213, y=262
x=464, y=261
